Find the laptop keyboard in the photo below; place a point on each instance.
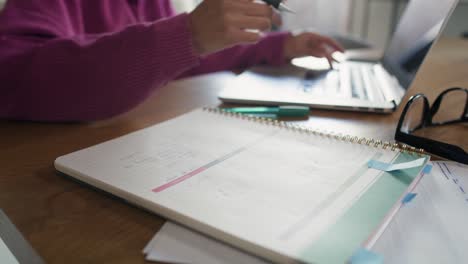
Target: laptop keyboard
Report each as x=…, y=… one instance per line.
x=348, y=80
x=359, y=86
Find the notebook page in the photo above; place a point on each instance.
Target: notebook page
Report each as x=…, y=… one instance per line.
x=254, y=183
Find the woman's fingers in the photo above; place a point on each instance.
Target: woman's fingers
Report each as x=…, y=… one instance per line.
x=247, y=22
x=332, y=43
x=276, y=19
x=242, y=36
x=323, y=51
x=217, y=24
x=257, y=10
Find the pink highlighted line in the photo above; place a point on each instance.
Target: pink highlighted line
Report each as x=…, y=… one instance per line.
x=197, y=171
x=180, y=179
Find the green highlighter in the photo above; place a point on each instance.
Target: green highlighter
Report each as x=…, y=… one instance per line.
x=272, y=112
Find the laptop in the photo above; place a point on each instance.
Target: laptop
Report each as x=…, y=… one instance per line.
x=368, y=86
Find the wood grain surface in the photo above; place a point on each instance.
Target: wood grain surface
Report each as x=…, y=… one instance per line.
x=67, y=222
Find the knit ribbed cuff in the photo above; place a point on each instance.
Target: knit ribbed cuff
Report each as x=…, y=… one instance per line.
x=175, y=40
x=271, y=48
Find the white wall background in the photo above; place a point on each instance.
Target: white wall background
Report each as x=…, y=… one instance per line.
x=185, y=5
x=372, y=19
x=326, y=16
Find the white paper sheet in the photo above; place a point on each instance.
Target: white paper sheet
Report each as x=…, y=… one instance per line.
x=429, y=229
x=432, y=227
x=6, y=257
x=176, y=244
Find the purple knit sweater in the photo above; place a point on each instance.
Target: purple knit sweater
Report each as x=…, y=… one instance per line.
x=83, y=60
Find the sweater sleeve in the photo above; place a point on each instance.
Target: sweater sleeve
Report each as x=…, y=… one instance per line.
x=46, y=77
x=268, y=51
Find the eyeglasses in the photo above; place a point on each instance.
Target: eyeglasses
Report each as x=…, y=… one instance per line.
x=418, y=114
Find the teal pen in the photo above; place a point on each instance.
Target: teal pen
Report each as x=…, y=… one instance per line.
x=270, y=116
x=281, y=111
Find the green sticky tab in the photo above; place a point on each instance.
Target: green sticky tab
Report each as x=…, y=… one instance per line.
x=339, y=242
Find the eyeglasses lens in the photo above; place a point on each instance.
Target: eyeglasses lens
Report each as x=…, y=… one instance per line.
x=414, y=116
x=451, y=107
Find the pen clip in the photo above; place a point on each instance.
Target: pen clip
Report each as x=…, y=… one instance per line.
x=283, y=7
x=279, y=5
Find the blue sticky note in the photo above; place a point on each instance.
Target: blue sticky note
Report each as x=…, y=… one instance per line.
x=378, y=165
x=364, y=256
x=408, y=197
x=427, y=169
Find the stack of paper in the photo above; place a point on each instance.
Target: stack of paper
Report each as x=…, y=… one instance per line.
x=14, y=248
x=430, y=228
x=6, y=257
x=176, y=244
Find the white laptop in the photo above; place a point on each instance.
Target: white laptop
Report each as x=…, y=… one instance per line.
x=365, y=86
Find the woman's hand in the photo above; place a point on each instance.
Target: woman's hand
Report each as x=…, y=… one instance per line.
x=218, y=24
x=311, y=44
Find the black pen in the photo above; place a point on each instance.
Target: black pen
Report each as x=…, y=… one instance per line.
x=279, y=5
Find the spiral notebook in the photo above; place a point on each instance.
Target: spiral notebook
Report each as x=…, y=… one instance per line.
x=279, y=191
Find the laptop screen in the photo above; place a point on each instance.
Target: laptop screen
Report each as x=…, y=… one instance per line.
x=418, y=28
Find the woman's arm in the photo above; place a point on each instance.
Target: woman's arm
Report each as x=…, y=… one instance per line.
x=51, y=71
x=51, y=75
x=268, y=51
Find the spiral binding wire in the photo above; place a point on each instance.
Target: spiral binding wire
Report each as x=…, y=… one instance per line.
x=329, y=134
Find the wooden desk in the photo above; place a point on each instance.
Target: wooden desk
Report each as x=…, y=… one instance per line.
x=69, y=223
